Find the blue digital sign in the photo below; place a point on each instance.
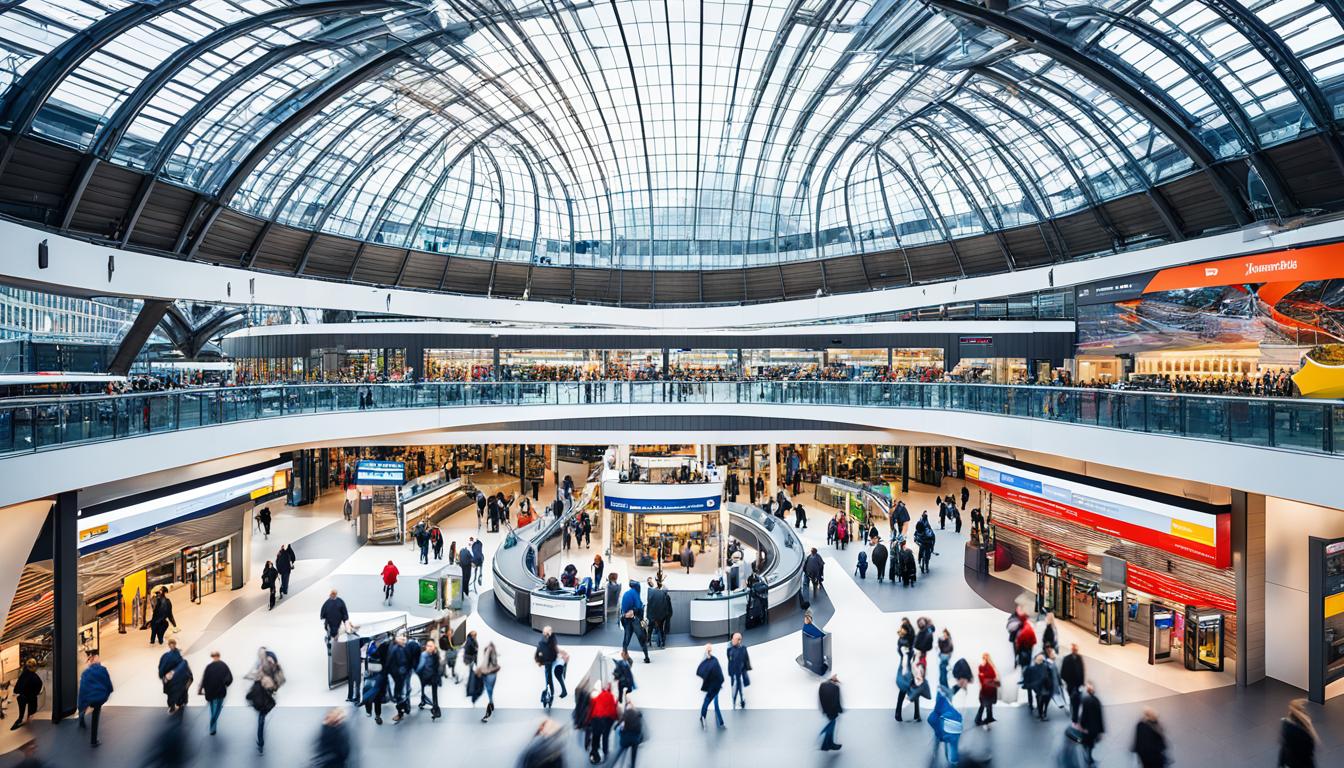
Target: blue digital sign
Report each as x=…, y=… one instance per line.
x=370, y=472
x=700, y=504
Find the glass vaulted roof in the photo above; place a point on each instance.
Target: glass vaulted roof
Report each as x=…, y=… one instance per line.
x=666, y=134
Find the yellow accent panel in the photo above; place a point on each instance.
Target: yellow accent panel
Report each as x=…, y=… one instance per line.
x=1316, y=380
x=972, y=471
x=1196, y=533
x=1334, y=605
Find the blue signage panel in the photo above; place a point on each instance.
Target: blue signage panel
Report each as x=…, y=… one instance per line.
x=369, y=472
x=700, y=504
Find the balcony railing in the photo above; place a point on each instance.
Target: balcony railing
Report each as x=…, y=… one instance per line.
x=1314, y=426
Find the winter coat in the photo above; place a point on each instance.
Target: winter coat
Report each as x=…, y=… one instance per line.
x=1071, y=670
x=390, y=573
x=95, y=686
x=880, y=557
x=334, y=612
x=215, y=680
x=660, y=605
x=28, y=686
x=710, y=674
x=989, y=684
x=1150, y=745
x=1090, y=718
x=828, y=695
x=739, y=663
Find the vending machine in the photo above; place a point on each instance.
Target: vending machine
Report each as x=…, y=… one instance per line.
x=1204, y=640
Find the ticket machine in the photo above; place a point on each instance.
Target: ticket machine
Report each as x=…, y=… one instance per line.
x=1052, y=586
x=1204, y=639
x=1111, y=617
x=1161, y=625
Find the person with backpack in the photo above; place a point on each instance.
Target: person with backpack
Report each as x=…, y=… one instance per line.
x=466, y=561
x=947, y=722
x=421, y=536
x=482, y=679
x=402, y=657
x=266, y=677
x=630, y=733
x=429, y=670
x=374, y=690
x=264, y=518
x=924, y=539
x=624, y=674
x=861, y=567
x=436, y=542
x=906, y=560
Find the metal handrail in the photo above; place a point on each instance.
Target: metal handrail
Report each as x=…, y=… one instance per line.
x=1297, y=424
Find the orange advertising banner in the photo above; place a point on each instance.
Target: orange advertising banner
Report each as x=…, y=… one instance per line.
x=1296, y=265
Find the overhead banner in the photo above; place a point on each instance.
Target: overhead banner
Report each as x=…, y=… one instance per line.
x=697, y=504
x=370, y=472
x=1200, y=536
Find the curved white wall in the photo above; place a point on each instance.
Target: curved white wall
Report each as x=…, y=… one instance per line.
x=82, y=267
x=1303, y=477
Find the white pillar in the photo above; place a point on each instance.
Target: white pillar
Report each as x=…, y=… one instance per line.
x=774, y=469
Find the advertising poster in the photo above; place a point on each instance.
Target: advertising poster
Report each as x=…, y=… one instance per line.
x=1281, y=298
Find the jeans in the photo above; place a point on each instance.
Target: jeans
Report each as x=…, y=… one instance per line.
x=489, y=682
x=900, y=704
x=555, y=673
x=704, y=707
x=284, y=583
x=1075, y=702
x=261, y=730
x=216, y=706
x=387, y=592
x=272, y=603
x=424, y=555
x=738, y=693
x=628, y=627
x=828, y=734
x=943, y=658
x=950, y=744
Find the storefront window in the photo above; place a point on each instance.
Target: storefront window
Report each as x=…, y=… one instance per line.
x=703, y=363
x=459, y=364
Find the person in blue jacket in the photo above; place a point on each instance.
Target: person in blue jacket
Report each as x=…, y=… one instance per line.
x=946, y=722
x=95, y=688
x=632, y=614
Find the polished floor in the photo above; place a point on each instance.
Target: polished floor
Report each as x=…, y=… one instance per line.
x=1208, y=722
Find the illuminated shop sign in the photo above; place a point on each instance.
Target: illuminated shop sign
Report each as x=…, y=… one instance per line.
x=1199, y=536
x=370, y=472
x=977, y=341
x=698, y=504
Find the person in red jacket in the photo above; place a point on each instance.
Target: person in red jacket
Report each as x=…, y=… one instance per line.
x=1025, y=642
x=389, y=581
x=989, y=690
x=602, y=714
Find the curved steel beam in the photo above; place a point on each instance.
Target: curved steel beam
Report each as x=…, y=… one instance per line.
x=115, y=127
x=936, y=143
x=1047, y=43
x=26, y=97
x=895, y=227
x=926, y=200
x=643, y=123
x=1299, y=79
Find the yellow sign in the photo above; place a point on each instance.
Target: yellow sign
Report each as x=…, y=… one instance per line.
x=972, y=470
x=1197, y=533
x=89, y=533
x=1334, y=605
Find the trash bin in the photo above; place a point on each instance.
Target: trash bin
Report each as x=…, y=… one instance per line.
x=816, y=656
x=977, y=560
x=1003, y=559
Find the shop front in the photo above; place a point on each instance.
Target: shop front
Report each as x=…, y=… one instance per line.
x=1127, y=564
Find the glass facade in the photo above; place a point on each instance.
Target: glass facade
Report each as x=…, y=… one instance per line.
x=645, y=134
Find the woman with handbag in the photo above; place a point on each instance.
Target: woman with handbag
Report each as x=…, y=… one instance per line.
x=483, y=676
x=266, y=677
x=989, y=690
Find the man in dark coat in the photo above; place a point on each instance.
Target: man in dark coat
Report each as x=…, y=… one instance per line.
x=829, y=696
x=907, y=564
x=465, y=559
x=899, y=517
x=161, y=615
x=879, y=558
x=284, y=563
x=659, y=611
x=799, y=517
x=478, y=559
x=264, y=517
x=965, y=496
x=215, y=682
x=1073, y=675
x=1090, y=722
x=333, y=615
x=710, y=673
x=480, y=508
x=1039, y=680
x=813, y=568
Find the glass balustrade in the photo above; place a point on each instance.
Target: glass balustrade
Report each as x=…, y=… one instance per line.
x=1302, y=425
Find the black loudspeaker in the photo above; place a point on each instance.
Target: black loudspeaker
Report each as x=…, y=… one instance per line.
x=43, y=255
x=997, y=5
